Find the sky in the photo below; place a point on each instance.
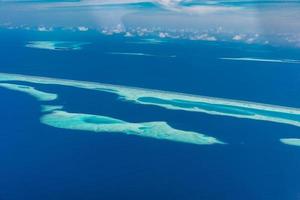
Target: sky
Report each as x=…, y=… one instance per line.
x=266, y=22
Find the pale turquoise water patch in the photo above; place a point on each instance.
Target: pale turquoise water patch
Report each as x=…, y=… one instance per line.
x=56, y=45
x=229, y=110
x=98, y=123
x=50, y=108
x=153, y=41
x=42, y=96
x=179, y=101
x=291, y=141
x=194, y=105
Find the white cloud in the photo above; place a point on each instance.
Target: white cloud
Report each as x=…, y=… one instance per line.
x=163, y=35
x=204, y=37
x=128, y=34
x=44, y=29
x=238, y=37
x=206, y=9
x=82, y=28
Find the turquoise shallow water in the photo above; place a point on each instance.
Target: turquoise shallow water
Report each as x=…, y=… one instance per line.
x=40, y=161
x=205, y=106
x=224, y=109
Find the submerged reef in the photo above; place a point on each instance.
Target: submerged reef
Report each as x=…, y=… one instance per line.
x=50, y=108
x=56, y=45
x=99, y=123
x=153, y=41
x=291, y=141
x=41, y=96
x=287, y=61
x=140, y=54
x=178, y=101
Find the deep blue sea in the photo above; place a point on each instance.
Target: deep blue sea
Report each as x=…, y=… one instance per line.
x=41, y=162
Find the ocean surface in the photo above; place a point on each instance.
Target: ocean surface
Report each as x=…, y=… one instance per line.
x=43, y=162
